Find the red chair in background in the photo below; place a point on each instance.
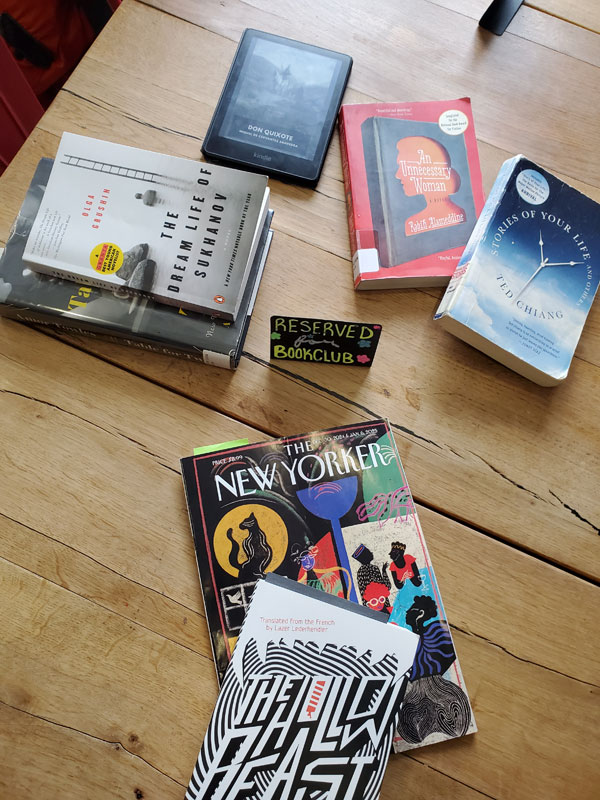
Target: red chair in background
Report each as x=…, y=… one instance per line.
x=41, y=42
x=19, y=107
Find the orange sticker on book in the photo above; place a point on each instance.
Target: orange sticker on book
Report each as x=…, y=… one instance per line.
x=106, y=258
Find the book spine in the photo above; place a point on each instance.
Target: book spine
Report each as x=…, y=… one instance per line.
x=347, y=183
x=89, y=329
x=462, y=268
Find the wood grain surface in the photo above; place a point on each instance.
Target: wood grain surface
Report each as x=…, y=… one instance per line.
x=107, y=677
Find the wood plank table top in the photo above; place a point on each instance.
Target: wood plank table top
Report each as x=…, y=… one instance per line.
x=107, y=681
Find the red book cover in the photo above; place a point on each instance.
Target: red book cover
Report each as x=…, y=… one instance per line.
x=413, y=189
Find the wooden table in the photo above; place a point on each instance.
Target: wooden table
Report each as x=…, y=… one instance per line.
x=107, y=681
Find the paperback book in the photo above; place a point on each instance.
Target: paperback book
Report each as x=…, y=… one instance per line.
x=31, y=296
x=413, y=190
x=176, y=230
x=332, y=510
x=309, y=701
x=525, y=284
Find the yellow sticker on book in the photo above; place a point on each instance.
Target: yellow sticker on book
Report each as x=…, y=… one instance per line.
x=106, y=258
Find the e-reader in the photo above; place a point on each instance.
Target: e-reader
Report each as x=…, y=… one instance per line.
x=278, y=107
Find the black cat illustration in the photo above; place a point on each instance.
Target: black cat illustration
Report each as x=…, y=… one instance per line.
x=256, y=547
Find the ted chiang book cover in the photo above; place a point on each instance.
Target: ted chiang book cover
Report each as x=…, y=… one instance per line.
x=528, y=276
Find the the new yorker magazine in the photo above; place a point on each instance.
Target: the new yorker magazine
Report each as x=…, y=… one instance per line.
x=180, y=231
x=331, y=509
x=309, y=701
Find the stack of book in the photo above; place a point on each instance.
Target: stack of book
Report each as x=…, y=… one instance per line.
x=156, y=251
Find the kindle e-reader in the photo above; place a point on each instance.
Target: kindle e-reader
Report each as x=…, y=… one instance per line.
x=278, y=107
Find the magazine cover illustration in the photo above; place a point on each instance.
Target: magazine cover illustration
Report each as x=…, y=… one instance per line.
x=178, y=230
x=528, y=278
x=332, y=510
x=309, y=701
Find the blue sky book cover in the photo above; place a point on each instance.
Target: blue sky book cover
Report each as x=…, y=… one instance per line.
x=527, y=278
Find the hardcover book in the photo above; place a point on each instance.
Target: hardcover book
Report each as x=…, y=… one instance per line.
x=524, y=286
x=179, y=231
x=34, y=297
x=413, y=190
x=309, y=701
x=330, y=509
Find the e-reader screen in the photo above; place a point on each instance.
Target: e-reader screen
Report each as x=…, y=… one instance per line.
x=281, y=98
x=278, y=106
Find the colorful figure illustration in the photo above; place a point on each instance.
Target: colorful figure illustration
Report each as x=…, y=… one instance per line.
x=432, y=704
x=376, y=596
x=424, y=168
x=404, y=566
x=305, y=557
x=319, y=567
x=331, y=501
x=435, y=652
x=369, y=572
x=256, y=548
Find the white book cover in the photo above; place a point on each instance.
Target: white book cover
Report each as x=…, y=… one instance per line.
x=181, y=231
x=309, y=702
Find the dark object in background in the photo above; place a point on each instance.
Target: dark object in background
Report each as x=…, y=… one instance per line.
x=47, y=38
x=41, y=43
x=498, y=15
